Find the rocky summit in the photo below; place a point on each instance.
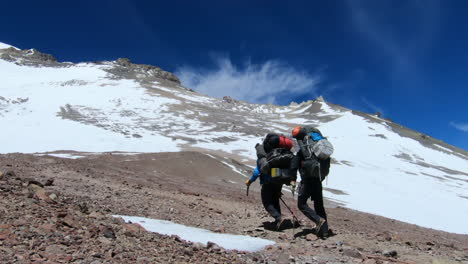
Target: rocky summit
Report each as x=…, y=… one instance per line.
x=87, y=141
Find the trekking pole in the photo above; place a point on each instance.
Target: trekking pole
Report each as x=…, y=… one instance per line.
x=294, y=216
x=247, y=191
x=296, y=220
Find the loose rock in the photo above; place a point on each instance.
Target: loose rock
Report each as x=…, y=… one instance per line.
x=311, y=237
x=390, y=253
x=351, y=252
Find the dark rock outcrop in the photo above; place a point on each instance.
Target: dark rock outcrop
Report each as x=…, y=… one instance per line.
x=31, y=57
x=125, y=68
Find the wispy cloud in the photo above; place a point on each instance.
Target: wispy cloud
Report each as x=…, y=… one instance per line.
x=372, y=106
x=257, y=83
x=460, y=126
x=373, y=20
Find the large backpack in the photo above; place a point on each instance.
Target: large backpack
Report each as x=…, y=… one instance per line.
x=280, y=161
x=316, y=151
x=279, y=158
x=314, y=144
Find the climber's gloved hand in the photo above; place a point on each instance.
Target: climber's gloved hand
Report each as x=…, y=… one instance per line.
x=293, y=187
x=293, y=184
x=248, y=182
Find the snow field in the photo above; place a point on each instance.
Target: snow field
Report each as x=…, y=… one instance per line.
x=379, y=182
x=40, y=129
x=193, y=234
x=6, y=46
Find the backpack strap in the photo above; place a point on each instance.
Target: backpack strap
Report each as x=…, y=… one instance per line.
x=306, y=148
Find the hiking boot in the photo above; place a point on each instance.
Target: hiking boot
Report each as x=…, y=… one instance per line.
x=279, y=224
x=296, y=223
x=322, y=228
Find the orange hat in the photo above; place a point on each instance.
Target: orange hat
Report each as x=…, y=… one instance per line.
x=285, y=143
x=296, y=131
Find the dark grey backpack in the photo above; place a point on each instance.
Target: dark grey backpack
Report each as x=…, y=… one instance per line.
x=280, y=158
x=312, y=143
x=316, y=151
x=283, y=165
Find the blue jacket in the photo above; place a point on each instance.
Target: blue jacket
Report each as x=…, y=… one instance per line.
x=263, y=178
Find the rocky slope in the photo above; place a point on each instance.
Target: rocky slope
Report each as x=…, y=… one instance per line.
x=68, y=220
x=40, y=225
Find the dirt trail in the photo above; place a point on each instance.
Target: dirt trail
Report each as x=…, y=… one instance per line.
x=197, y=190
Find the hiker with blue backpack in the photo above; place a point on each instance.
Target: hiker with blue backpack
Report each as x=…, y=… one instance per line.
x=275, y=167
x=314, y=154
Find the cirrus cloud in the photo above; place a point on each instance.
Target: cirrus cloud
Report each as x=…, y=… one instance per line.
x=460, y=126
x=268, y=82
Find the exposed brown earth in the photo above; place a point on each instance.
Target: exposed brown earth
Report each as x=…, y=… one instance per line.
x=55, y=210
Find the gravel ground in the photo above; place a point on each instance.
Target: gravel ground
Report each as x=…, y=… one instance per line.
x=55, y=210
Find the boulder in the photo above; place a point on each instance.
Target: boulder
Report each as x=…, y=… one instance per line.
x=107, y=232
x=132, y=229
x=96, y=215
x=351, y=252
x=228, y=99
x=124, y=62
x=5, y=174
x=37, y=192
x=47, y=228
x=49, y=182
x=311, y=237
x=33, y=181
x=53, y=196
x=197, y=246
x=69, y=221
x=55, y=250
x=390, y=253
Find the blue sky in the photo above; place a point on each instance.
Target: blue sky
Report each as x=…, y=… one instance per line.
x=406, y=59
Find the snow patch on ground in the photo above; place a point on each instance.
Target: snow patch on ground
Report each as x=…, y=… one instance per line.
x=443, y=148
x=194, y=97
x=234, y=169
x=61, y=155
x=193, y=234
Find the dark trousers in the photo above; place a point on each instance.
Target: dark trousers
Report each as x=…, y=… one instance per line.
x=311, y=188
x=271, y=194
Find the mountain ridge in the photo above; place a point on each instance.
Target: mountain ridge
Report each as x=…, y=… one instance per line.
x=115, y=106
x=14, y=54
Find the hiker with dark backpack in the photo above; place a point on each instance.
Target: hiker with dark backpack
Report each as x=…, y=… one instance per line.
x=314, y=155
x=276, y=165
